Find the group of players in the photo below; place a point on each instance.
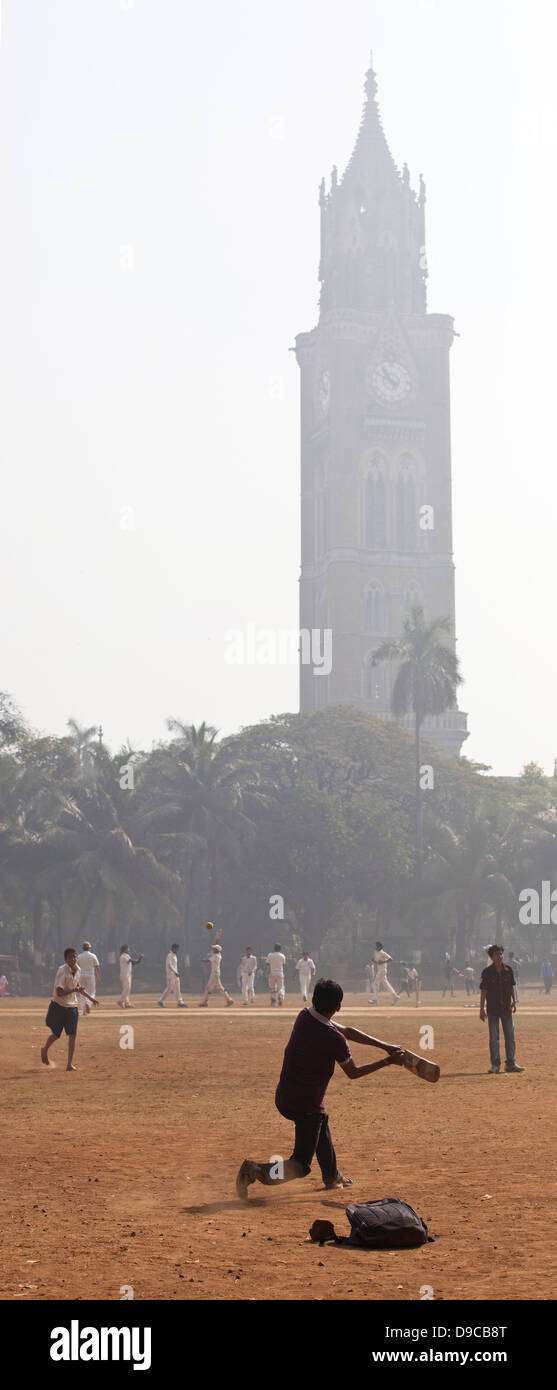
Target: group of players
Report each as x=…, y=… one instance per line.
x=274, y=967
x=78, y=977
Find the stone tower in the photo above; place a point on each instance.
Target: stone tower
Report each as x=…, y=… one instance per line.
x=375, y=424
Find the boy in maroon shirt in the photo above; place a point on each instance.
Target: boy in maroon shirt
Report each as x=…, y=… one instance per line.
x=314, y=1046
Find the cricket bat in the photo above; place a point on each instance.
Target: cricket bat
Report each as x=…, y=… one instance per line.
x=421, y=1066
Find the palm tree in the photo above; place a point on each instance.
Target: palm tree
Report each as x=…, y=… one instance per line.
x=467, y=869
x=425, y=683
x=193, y=812
x=83, y=742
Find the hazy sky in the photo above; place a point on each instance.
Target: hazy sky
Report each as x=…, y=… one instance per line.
x=159, y=244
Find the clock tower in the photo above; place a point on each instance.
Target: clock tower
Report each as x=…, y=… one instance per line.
x=375, y=423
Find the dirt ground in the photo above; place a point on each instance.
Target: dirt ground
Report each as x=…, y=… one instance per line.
x=122, y=1173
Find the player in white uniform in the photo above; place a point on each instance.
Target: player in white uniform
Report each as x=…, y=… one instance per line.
x=248, y=967
x=126, y=962
x=276, y=962
x=172, y=978
x=306, y=968
x=380, y=962
x=214, y=981
x=90, y=974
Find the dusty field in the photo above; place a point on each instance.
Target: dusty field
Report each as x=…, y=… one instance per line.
x=123, y=1172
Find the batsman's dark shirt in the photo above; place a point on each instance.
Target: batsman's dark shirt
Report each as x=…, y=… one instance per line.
x=309, y=1062
x=498, y=985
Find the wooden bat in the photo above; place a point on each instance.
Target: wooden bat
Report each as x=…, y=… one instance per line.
x=421, y=1066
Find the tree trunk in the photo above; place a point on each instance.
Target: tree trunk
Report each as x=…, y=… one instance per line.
x=59, y=930
x=461, y=938
x=37, y=919
x=109, y=933
x=419, y=815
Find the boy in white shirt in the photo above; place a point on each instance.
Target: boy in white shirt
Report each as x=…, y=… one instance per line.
x=63, y=1012
x=214, y=981
x=126, y=962
x=380, y=962
x=276, y=962
x=90, y=974
x=305, y=968
x=172, y=977
x=248, y=967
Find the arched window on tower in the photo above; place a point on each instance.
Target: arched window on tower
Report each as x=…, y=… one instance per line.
x=375, y=607
x=406, y=505
x=375, y=509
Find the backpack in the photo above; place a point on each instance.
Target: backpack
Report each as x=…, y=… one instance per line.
x=387, y=1224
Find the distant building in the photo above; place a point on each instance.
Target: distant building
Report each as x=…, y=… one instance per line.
x=375, y=450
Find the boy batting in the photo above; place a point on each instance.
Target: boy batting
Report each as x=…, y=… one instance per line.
x=315, y=1044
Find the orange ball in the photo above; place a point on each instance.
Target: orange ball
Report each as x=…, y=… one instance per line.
x=209, y=926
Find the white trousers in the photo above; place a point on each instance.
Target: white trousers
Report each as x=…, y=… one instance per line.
x=276, y=987
x=304, y=984
x=172, y=987
x=381, y=981
x=89, y=983
x=126, y=983
x=248, y=992
x=214, y=982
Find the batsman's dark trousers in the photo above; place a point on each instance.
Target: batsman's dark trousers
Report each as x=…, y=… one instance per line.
x=507, y=1025
x=312, y=1139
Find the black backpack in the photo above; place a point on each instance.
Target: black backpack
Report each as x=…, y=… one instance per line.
x=387, y=1224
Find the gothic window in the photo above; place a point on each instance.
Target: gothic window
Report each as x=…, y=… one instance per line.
x=374, y=608
x=375, y=507
x=406, y=506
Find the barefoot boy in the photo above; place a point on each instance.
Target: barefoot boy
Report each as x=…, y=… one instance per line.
x=314, y=1046
x=63, y=1012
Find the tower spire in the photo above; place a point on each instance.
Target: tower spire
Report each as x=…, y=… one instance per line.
x=371, y=145
x=372, y=226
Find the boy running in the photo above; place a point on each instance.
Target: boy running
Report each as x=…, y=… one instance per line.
x=314, y=1046
x=63, y=1012
x=214, y=981
x=380, y=962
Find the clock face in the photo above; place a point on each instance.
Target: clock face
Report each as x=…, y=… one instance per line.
x=324, y=390
x=390, y=381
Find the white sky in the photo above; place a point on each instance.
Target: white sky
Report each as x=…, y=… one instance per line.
x=159, y=243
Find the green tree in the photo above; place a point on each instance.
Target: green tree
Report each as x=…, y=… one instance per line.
x=425, y=684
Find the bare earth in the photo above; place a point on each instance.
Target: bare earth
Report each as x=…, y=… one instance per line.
x=123, y=1174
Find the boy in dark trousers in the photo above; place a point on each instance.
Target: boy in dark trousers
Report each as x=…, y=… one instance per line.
x=498, y=1003
x=314, y=1046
